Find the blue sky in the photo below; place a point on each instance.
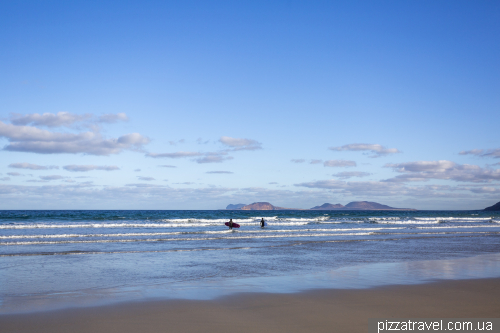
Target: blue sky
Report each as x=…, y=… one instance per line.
x=199, y=104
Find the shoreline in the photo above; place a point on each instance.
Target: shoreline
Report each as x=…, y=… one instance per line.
x=320, y=310
x=366, y=276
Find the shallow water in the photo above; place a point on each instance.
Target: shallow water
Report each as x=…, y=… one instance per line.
x=50, y=259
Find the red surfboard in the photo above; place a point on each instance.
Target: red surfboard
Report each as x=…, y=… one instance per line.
x=235, y=225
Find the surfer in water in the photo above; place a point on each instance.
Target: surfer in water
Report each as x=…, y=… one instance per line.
x=230, y=224
x=262, y=223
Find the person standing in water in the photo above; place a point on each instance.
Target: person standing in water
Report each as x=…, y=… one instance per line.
x=230, y=224
x=262, y=223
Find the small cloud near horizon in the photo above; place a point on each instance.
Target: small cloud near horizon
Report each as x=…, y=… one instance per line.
x=339, y=163
x=376, y=149
x=495, y=153
x=86, y=168
x=240, y=144
x=145, y=178
x=52, y=177
x=32, y=166
x=349, y=174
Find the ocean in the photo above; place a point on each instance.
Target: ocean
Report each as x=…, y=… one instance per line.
x=54, y=259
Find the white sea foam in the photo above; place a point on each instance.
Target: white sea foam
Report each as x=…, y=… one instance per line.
x=373, y=231
x=132, y=234
x=178, y=239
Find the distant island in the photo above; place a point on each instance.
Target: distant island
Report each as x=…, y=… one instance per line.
x=237, y=206
x=355, y=205
x=494, y=207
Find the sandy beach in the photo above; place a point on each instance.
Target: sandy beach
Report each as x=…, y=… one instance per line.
x=314, y=311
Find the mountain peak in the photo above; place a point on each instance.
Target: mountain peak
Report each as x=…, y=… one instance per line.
x=494, y=207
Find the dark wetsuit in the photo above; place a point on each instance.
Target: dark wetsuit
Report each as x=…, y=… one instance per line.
x=262, y=223
x=231, y=224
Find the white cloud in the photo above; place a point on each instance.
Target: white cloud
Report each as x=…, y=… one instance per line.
x=495, y=153
x=35, y=140
x=373, y=186
x=85, y=168
x=376, y=189
x=209, y=157
x=425, y=170
x=315, y=161
x=144, y=185
x=214, y=158
x=64, y=119
x=298, y=160
x=14, y=174
x=179, y=154
x=145, y=178
x=32, y=166
x=350, y=174
x=228, y=172
x=339, y=163
x=151, y=196
x=167, y=166
x=376, y=149
x=53, y=177
x=240, y=144
x=48, y=119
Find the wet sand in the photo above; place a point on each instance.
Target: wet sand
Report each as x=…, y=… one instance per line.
x=329, y=310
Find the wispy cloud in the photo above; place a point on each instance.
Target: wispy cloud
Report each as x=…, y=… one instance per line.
x=167, y=166
x=35, y=140
x=495, y=153
x=145, y=178
x=112, y=118
x=298, y=160
x=59, y=119
x=376, y=149
x=85, y=168
x=350, y=174
x=217, y=157
x=64, y=119
x=339, y=163
x=179, y=154
x=32, y=166
x=52, y=177
x=425, y=170
x=200, y=141
x=144, y=185
x=234, y=145
x=15, y=174
x=240, y=144
x=228, y=172
x=4, y=179
x=385, y=189
x=315, y=161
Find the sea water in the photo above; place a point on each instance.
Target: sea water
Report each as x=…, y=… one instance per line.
x=51, y=259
